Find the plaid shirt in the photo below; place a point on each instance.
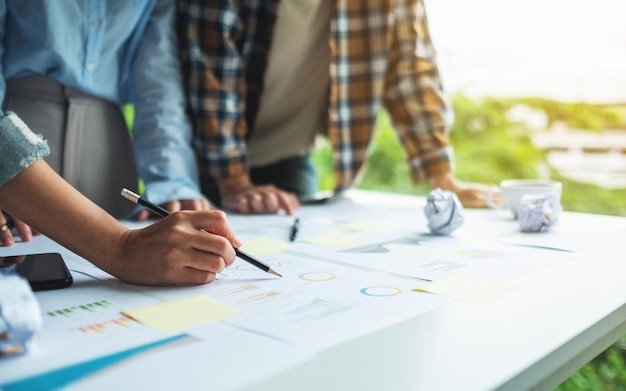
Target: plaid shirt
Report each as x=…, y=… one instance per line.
x=381, y=55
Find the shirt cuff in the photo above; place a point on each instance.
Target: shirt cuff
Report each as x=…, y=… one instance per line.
x=165, y=191
x=424, y=168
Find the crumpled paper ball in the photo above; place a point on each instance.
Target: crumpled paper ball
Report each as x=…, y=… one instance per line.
x=444, y=212
x=20, y=315
x=538, y=212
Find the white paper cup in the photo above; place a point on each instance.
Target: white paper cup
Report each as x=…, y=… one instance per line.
x=511, y=192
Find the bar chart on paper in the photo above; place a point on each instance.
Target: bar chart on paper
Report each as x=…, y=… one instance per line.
x=71, y=324
x=82, y=318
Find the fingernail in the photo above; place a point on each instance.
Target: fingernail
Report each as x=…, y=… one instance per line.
x=6, y=241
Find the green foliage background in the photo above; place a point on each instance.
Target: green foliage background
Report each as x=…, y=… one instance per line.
x=489, y=147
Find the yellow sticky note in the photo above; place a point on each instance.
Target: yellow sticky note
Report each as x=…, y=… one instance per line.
x=336, y=239
x=467, y=288
x=180, y=314
x=262, y=246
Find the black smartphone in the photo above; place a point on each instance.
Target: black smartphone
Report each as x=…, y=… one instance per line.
x=43, y=271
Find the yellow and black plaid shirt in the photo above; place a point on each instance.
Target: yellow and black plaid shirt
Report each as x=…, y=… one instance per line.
x=381, y=56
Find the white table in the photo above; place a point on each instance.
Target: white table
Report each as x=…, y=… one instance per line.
x=534, y=338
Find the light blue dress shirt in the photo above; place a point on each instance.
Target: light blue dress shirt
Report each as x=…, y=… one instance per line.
x=124, y=51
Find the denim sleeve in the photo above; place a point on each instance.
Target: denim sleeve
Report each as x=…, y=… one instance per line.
x=19, y=147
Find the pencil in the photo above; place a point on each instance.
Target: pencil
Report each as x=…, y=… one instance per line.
x=294, y=230
x=134, y=197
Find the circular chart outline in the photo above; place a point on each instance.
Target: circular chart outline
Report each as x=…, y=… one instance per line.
x=331, y=276
x=396, y=291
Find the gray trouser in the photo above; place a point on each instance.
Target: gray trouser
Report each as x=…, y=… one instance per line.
x=88, y=138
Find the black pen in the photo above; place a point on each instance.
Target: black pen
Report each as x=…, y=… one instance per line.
x=134, y=197
x=294, y=230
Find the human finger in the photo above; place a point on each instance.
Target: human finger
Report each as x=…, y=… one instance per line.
x=236, y=203
x=270, y=202
x=255, y=202
x=6, y=236
x=215, y=222
x=143, y=215
x=172, y=206
x=208, y=243
x=195, y=204
x=288, y=202
x=193, y=276
x=211, y=253
x=23, y=230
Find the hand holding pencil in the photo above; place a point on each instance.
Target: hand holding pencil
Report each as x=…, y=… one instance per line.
x=187, y=248
x=134, y=197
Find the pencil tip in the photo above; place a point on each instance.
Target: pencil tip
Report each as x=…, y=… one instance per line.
x=274, y=272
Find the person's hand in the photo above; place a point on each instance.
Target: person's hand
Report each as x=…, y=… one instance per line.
x=241, y=196
x=184, y=248
x=471, y=195
x=176, y=205
x=7, y=223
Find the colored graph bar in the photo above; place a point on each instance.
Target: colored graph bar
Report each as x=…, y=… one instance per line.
x=260, y=297
x=102, y=327
x=89, y=307
x=240, y=289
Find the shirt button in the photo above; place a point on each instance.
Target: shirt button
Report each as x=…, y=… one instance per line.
x=90, y=66
x=96, y=22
